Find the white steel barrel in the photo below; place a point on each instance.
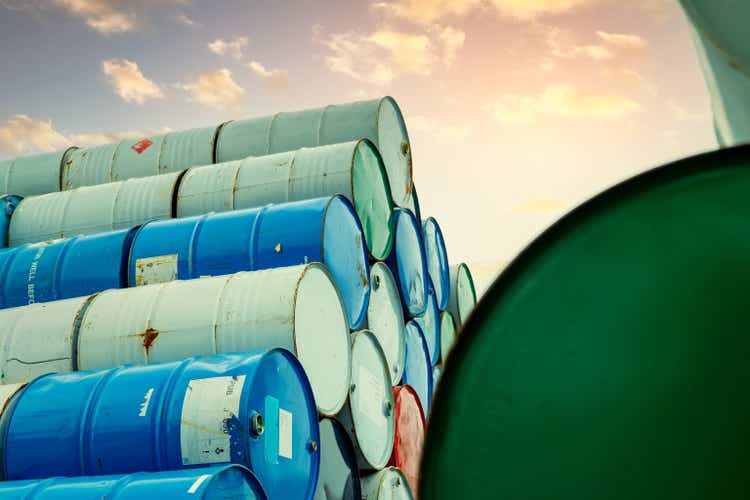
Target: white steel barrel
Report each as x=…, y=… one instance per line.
x=463, y=296
x=32, y=175
x=297, y=308
x=354, y=169
x=386, y=484
x=378, y=120
x=38, y=339
x=385, y=318
x=92, y=209
x=368, y=415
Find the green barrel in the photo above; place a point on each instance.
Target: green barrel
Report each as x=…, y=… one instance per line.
x=611, y=359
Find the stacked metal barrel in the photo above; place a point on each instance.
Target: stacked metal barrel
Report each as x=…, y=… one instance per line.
x=255, y=308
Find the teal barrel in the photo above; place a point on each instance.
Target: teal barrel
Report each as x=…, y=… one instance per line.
x=32, y=175
x=610, y=359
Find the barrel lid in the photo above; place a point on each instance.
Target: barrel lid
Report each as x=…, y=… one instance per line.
x=283, y=439
x=436, y=257
x=447, y=334
x=394, y=145
x=418, y=369
x=409, y=439
x=430, y=324
x=385, y=318
x=339, y=475
x=386, y=484
x=463, y=295
x=407, y=261
x=369, y=416
x=321, y=337
x=372, y=199
x=723, y=24
x=612, y=352
x=345, y=256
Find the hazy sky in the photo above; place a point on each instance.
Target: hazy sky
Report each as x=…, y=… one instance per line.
x=517, y=109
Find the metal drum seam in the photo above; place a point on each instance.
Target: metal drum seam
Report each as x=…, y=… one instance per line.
x=114, y=492
x=112, y=160
x=77, y=322
x=57, y=276
x=85, y=434
x=291, y=175
x=61, y=167
x=7, y=341
x=269, y=133
x=114, y=204
x=66, y=207
x=217, y=309
x=194, y=242
x=6, y=415
x=215, y=140
x=174, y=194
x=162, y=413
x=253, y=244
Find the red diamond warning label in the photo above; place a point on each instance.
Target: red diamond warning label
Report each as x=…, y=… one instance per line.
x=141, y=146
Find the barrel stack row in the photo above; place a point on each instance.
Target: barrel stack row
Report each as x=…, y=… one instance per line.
x=255, y=309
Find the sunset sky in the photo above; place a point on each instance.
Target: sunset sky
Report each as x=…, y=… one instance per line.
x=517, y=109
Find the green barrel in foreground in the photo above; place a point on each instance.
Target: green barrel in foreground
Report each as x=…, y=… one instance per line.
x=610, y=360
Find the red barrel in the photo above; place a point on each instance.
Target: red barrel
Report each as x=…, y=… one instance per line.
x=410, y=426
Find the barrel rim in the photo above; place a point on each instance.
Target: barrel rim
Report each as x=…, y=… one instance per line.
x=389, y=100
x=442, y=252
x=393, y=292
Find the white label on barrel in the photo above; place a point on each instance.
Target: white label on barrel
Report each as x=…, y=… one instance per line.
x=159, y=269
x=285, y=433
x=370, y=396
x=210, y=410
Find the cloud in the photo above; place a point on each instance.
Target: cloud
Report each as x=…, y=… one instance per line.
x=426, y=11
x=187, y=20
x=276, y=78
x=623, y=40
x=533, y=206
x=22, y=135
x=428, y=126
x=563, y=44
x=105, y=16
x=128, y=81
x=380, y=57
x=229, y=47
x=99, y=138
x=562, y=100
x=216, y=89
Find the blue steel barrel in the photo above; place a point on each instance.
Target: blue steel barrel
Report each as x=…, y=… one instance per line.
x=429, y=322
x=323, y=230
x=436, y=257
x=407, y=262
x=62, y=269
x=254, y=409
x=8, y=203
x=418, y=368
x=206, y=483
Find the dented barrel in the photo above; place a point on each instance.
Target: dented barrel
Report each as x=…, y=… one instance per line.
x=387, y=484
x=138, y=157
x=612, y=352
x=385, y=318
x=298, y=308
x=407, y=262
x=254, y=409
x=8, y=204
x=436, y=258
x=72, y=267
x=368, y=413
x=204, y=483
x=463, y=296
x=339, y=474
x=354, y=169
x=93, y=209
x=378, y=120
x=409, y=435
x=430, y=323
x=32, y=175
x=323, y=230
x=418, y=368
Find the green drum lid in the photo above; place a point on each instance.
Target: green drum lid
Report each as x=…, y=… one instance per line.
x=611, y=359
x=372, y=199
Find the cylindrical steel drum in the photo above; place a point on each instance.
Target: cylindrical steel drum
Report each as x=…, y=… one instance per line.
x=254, y=409
x=610, y=359
x=32, y=175
x=385, y=318
x=354, y=169
x=447, y=334
x=430, y=322
x=378, y=120
x=93, y=209
x=204, y=483
x=418, y=368
x=436, y=258
x=407, y=262
x=8, y=204
x=463, y=296
x=368, y=413
x=409, y=436
x=323, y=230
x=298, y=308
x=339, y=474
x=386, y=484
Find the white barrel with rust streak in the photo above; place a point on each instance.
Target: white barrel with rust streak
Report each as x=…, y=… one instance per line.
x=38, y=339
x=297, y=308
x=386, y=484
x=92, y=209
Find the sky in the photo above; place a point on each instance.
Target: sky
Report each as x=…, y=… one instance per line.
x=517, y=110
